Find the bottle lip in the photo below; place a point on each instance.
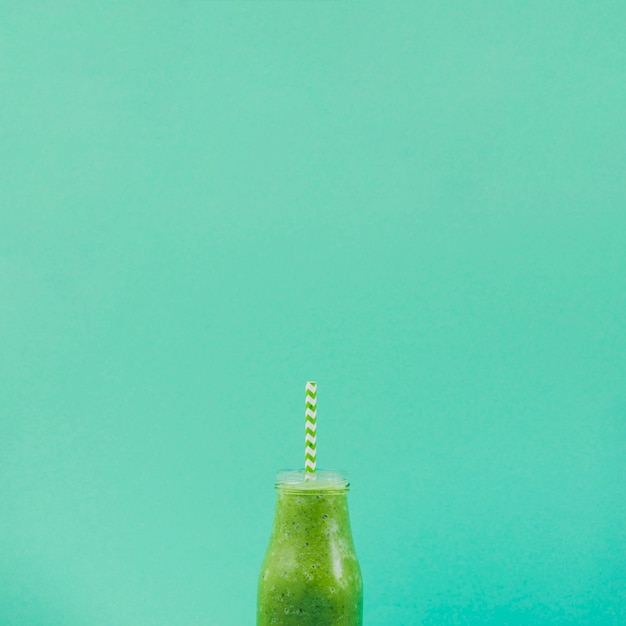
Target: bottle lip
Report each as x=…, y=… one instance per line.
x=309, y=482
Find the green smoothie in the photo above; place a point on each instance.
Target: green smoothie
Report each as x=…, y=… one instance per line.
x=310, y=575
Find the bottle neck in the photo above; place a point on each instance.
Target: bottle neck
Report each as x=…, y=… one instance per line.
x=322, y=515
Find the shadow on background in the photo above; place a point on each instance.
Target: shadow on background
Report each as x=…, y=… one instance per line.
x=26, y=602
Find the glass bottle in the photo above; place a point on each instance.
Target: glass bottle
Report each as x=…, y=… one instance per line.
x=310, y=575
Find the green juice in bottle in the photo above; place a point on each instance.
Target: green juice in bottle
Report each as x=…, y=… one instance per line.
x=310, y=575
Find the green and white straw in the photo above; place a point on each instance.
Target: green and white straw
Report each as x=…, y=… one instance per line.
x=310, y=455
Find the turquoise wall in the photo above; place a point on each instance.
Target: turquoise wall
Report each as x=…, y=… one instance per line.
x=421, y=205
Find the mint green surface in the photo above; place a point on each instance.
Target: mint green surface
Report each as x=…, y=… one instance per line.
x=421, y=205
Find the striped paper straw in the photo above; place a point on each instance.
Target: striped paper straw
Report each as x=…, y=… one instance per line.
x=310, y=455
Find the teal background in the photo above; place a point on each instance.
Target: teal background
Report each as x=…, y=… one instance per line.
x=420, y=205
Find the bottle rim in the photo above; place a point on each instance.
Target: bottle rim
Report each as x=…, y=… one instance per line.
x=308, y=482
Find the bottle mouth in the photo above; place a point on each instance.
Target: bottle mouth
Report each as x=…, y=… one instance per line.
x=312, y=482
